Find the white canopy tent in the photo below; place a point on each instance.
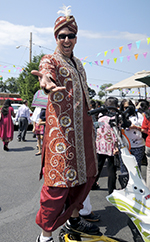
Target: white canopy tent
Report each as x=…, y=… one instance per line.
x=130, y=82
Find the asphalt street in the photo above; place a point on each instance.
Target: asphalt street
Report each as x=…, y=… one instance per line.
x=20, y=193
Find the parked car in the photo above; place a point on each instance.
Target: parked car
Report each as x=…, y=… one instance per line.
x=16, y=106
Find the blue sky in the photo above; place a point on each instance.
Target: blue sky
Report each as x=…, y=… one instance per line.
x=104, y=26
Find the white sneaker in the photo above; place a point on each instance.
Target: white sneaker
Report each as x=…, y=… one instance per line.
x=38, y=239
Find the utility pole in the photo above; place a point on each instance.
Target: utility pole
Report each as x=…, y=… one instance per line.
x=30, y=48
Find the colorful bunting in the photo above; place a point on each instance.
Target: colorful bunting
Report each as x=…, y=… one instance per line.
x=115, y=60
x=128, y=57
x=105, y=53
x=136, y=56
x=148, y=40
x=130, y=46
x=145, y=54
x=138, y=44
x=121, y=58
x=102, y=61
x=98, y=54
x=112, y=51
x=108, y=60
x=120, y=49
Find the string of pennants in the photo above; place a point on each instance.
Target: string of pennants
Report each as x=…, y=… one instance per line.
x=115, y=59
x=8, y=69
x=15, y=69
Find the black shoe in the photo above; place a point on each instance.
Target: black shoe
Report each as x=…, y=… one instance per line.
x=24, y=140
x=19, y=140
x=5, y=148
x=91, y=217
x=95, y=187
x=50, y=240
x=83, y=227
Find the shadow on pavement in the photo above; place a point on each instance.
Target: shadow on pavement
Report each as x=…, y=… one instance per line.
x=21, y=149
x=112, y=219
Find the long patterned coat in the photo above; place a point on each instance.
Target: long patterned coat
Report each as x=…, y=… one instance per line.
x=69, y=154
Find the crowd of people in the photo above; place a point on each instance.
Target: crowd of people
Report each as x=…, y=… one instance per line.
x=138, y=135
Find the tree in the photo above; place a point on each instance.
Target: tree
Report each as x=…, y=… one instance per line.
x=27, y=83
x=3, y=87
x=11, y=84
x=102, y=91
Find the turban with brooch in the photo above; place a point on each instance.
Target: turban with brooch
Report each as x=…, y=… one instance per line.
x=65, y=21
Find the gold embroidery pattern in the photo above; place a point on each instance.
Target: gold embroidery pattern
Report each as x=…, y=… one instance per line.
x=66, y=157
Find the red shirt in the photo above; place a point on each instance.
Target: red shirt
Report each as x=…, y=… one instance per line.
x=146, y=126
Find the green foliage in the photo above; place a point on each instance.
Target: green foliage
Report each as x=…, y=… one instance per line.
x=27, y=83
x=3, y=87
x=11, y=85
x=102, y=91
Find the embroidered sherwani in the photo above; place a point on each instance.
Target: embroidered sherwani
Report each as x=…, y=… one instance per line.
x=68, y=154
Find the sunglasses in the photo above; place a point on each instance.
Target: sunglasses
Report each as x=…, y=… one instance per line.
x=63, y=36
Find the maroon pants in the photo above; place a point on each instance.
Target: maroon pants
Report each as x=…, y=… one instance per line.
x=57, y=204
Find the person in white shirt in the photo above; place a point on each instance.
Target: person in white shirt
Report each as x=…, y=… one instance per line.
x=23, y=118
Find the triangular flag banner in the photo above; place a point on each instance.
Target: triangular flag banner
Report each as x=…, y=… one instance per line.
x=120, y=49
x=96, y=62
x=98, y=53
x=128, y=57
x=112, y=51
x=136, y=56
x=130, y=46
x=102, y=61
x=121, y=58
x=108, y=60
x=115, y=60
x=138, y=44
x=105, y=53
x=80, y=60
x=85, y=57
x=84, y=63
x=148, y=40
x=9, y=71
x=145, y=54
x=90, y=63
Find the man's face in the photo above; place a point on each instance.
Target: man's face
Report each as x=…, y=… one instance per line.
x=66, y=44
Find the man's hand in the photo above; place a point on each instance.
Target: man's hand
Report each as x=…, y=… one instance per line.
x=46, y=83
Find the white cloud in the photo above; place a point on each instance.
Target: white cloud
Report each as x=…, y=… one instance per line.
x=112, y=35
x=11, y=34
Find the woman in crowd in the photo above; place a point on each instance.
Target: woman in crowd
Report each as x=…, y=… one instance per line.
x=146, y=129
x=134, y=134
x=106, y=145
x=6, y=124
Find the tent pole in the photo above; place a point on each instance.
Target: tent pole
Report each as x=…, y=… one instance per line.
x=145, y=93
x=139, y=92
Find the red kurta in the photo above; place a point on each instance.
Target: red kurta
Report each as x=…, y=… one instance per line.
x=69, y=154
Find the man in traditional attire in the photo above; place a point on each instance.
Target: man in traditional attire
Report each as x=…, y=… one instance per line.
x=69, y=162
